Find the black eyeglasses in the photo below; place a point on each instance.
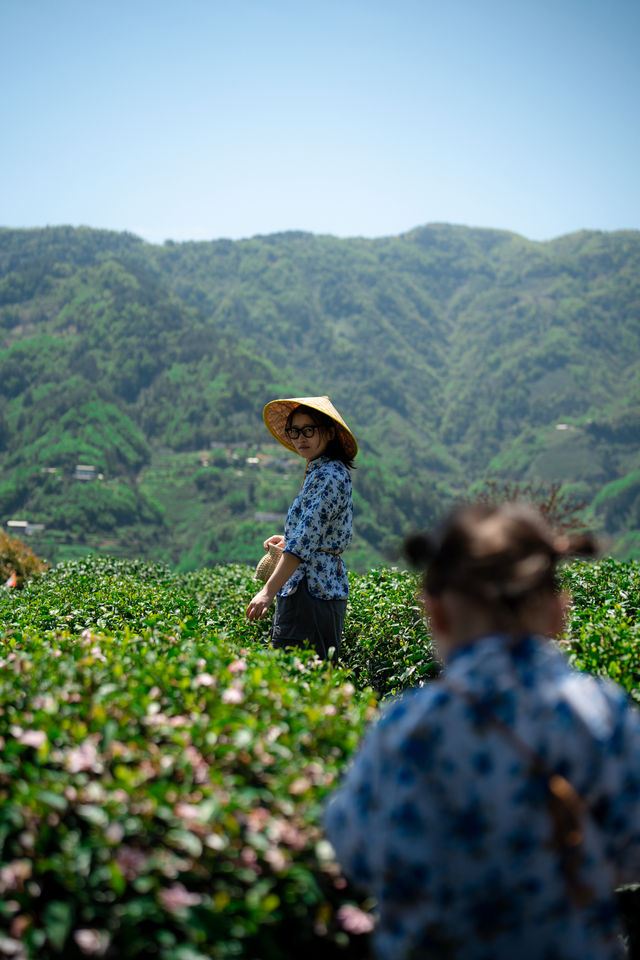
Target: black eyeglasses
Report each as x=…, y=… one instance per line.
x=307, y=431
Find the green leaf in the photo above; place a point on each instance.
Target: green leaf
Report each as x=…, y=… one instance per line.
x=58, y=919
x=51, y=799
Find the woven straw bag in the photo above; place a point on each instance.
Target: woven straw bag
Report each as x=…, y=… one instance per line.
x=269, y=562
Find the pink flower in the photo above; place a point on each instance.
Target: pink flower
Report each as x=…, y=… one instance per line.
x=234, y=694
x=131, y=862
x=177, y=897
x=14, y=874
x=292, y=837
x=257, y=819
x=187, y=811
x=81, y=758
x=44, y=703
x=314, y=771
x=33, y=738
x=93, y=943
x=198, y=763
x=155, y=719
x=19, y=924
x=114, y=833
x=299, y=785
x=205, y=680
x=354, y=920
x=13, y=948
x=276, y=859
x=179, y=721
x=238, y=666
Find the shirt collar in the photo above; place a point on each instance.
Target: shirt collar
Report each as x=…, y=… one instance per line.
x=515, y=646
x=313, y=464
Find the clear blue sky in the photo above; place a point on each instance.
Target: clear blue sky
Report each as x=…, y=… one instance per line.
x=200, y=119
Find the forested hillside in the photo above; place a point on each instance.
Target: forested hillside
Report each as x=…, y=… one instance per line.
x=455, y=354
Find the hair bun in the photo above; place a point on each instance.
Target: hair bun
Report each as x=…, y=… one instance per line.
x=582, y=545
x=419, y=549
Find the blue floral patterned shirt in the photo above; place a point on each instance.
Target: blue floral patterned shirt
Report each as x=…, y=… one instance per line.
x=440, y=818
x=318, y=529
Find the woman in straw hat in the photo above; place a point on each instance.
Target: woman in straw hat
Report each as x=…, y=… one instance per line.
x=493, y=812
x=310, y=579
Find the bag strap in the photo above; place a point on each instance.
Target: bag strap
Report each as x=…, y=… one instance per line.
x=564, y=804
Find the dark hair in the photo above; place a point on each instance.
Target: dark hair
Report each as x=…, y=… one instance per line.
x=335, y=449
x=494, y=554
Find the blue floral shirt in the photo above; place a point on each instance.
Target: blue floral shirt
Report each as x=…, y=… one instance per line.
x=318, y=529
x=440, y=818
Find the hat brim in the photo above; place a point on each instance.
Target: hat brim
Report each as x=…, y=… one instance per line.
x=276, y=413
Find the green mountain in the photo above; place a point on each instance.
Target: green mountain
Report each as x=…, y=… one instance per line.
x=455, y=354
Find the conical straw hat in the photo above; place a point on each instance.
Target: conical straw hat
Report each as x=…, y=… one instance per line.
x=276, y=412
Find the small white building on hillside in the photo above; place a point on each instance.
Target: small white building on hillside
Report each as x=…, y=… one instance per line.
x=85, y=471
x=25, y=527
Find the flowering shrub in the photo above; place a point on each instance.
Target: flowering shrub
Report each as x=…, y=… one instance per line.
x=603, y=625
x=17, y=561
x=161, y=784
x=386, y=642
x=167, y=792
x=163, y=772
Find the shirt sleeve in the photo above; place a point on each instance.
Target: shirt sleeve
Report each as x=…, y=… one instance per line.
x=622, y=808
x=350, y=816
x=314, y=517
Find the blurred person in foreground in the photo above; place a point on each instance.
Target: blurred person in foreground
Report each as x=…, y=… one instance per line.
x=492, y=813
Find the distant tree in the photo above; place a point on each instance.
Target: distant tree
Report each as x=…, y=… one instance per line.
x=4, y=430
x=558, y=506
x=17, y=561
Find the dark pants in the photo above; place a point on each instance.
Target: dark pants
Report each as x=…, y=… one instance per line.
x=301, y=620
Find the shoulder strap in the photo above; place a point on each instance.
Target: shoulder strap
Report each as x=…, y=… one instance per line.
x=565, y=805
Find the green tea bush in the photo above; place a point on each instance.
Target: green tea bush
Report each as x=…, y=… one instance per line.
x=603, y=637
x=222, y=594
x=163, y=771
x=386, y=645
x=386, y=640
x=603, y=624
x=160, y=796
x=104, y=594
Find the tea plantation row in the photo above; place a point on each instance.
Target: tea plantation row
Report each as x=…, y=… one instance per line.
x=163, y=772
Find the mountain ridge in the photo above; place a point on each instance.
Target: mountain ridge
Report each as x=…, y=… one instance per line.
x=453, y=352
